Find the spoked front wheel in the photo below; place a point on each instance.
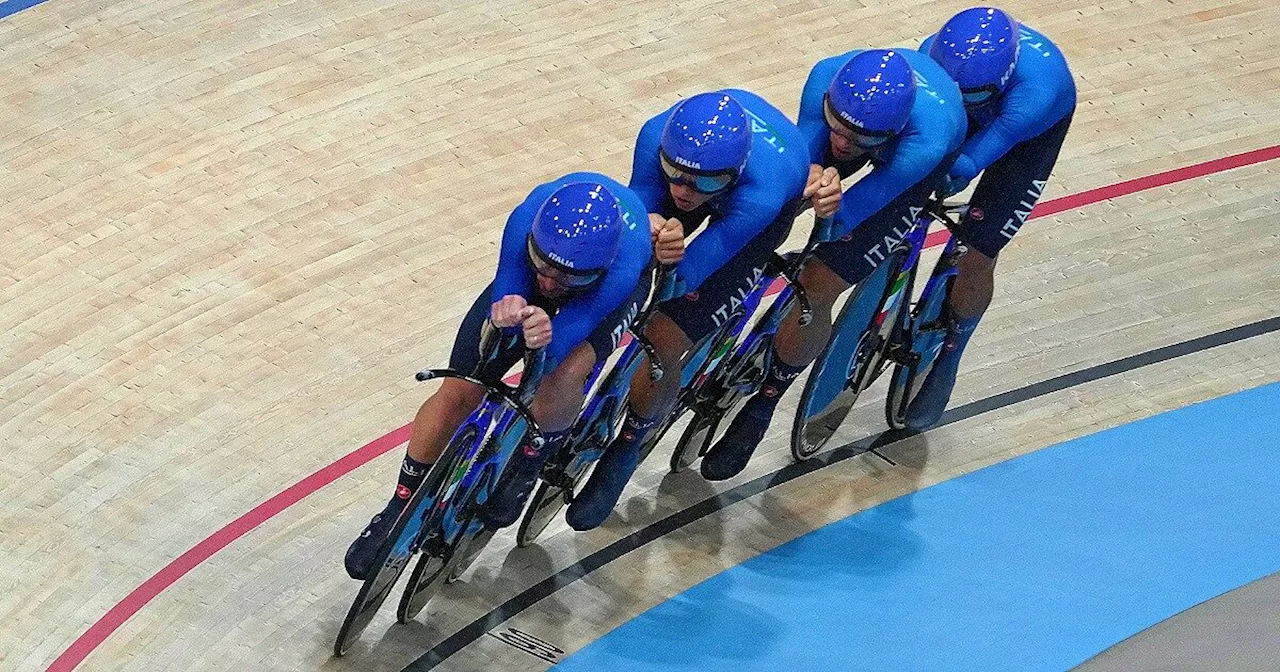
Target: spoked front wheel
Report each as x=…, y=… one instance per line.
x=855, y=355
x=467, y=551
x=424, y=583
x=434, y=569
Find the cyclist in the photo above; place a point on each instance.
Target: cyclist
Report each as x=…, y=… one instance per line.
x=1020, y=97
x=734, y=160
x=898, y=111
x=569, y=279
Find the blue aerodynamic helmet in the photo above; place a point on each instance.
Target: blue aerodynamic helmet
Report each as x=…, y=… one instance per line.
x=576, y=234
x=872, y=96
x=705, y=142
x=979, y=49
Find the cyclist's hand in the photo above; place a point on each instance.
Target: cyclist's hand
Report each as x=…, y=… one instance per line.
x=537, y=327
x=655, y=225
x=824, y=189
x=668, y=244
x=814, y=179
x=508, y=311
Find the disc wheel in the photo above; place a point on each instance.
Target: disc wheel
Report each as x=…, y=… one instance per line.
x=695, y=441
x=855, y=355
x=403, y=542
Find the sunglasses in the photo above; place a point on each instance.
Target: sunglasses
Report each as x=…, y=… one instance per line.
x=861, y=137
x=979, y=96
x=557, y=272
x=703, y=183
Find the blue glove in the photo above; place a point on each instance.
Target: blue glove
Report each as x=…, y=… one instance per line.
x=959, y=176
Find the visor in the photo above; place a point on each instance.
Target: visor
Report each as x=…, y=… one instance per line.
x=861, y=137
x=567, y=277
x=703, y=183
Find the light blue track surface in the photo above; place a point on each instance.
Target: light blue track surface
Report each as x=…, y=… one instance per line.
x=1032, y=564
x=8, y=7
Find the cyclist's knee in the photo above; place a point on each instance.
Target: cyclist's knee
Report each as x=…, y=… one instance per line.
x=453, y=394
x=669, y=341
x=974, y=261
x=560, y=392
x=821, y=284
x=568, y=378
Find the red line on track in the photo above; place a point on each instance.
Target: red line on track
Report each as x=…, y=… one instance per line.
x=140, y=596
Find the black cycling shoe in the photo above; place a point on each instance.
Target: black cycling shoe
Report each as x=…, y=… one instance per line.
x=730, y=455
x=507, y=502
x=600, y=496
x=361, y=553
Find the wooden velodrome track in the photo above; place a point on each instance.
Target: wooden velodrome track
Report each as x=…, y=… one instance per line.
x=233, y=229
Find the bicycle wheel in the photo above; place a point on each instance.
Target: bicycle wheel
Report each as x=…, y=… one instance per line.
x=439, y=565
x=657, y=433
x=467, y=552
x=424, y=583
x=922, y=340
x=403, y=542
x=547, y=502
x=853, y=358
x=696, y=440
x=436, y=569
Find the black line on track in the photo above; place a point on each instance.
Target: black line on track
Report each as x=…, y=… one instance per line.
x=543, y=589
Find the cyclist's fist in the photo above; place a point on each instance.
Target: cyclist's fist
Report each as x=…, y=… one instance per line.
x=508, y=311
x=823, y=188
x=537, y=327
x=668, y=240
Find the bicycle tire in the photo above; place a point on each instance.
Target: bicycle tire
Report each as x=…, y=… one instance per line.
x=442, y=566
x=375, y=589
x=854, y=356
x=923, y=338
x=467, y=552
x=695, y=440
x=547, y=501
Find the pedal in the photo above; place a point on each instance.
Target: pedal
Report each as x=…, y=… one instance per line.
x=559, y=479
x=433, y=545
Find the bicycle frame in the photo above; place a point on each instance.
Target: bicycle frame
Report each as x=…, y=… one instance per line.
x=878, y=326
x=606, y=394
x=502, y=418
x=736, y=347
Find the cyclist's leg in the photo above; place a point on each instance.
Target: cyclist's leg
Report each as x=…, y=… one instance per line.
x=1001, y=202
x=435, y=422
x=673, y=330
x=556, y=405
x=835, y=266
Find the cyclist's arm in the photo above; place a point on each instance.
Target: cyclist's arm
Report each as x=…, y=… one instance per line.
x=722, y=239
x=915, y=157
x=1027, y=112
x=514, y=275
x=811, y=121
x=574, y=323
